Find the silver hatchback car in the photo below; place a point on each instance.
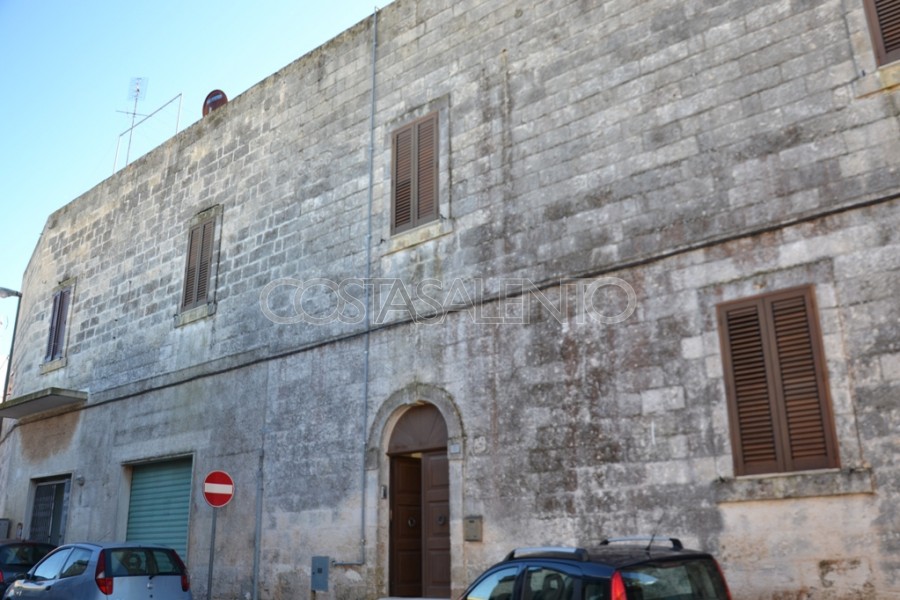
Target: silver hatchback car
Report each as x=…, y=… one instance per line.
x=100, y=571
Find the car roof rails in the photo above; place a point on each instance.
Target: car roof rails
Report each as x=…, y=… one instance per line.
x=650, y=539
x=550, y=552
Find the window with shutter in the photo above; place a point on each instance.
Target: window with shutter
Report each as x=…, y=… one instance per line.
x=775, y=378
x=199, y=261
x=414, y=174
x=884, y=26
x=58, y=318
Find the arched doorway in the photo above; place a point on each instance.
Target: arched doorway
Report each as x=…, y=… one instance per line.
x=420, y=505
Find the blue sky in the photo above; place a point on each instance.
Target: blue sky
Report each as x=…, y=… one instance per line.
x=66, y=69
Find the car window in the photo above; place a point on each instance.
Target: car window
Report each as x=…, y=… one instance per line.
x=675, y=580
x=19, y=555
x=129, y=561
x=165, y=563
x=76, y=563
x=496, y=586
x=548, y=584
x=50, y=567
x=595, y=589
x=40, y=551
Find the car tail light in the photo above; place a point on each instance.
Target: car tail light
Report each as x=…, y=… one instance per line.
x=185, y=580
x=724, y=583
x=617, y=587
x=104, y=583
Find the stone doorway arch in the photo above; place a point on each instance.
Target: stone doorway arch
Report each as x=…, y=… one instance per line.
x=417, y=433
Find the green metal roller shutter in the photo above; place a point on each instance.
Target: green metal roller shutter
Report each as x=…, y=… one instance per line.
x=160, y=504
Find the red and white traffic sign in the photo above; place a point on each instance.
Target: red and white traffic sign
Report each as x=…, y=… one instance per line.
x=218, y=489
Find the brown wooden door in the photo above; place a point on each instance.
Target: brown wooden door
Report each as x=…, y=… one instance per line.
x=406, y=527
x=436, y=526
x=420, y=505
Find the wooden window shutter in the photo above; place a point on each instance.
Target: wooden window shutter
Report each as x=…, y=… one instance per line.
x=779, y=410
x=414, y=174
x=800, y=364
x=402, y=178
x=426, y=169
x=199, y=262
x=58, y=318
x=750, y=393
x=884, y=25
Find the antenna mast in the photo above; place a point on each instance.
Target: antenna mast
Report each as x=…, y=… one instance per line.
x=137, y=91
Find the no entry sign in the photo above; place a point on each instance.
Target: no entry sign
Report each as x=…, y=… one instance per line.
x=218, y=489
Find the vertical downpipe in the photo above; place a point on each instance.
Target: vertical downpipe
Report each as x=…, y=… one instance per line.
x=260, y=490
x=367, y=323
x=257, y=534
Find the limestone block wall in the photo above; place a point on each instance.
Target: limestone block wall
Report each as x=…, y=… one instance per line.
x=685, y=154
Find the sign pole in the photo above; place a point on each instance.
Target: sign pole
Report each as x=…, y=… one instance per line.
x=218, y=490
x=212, y=554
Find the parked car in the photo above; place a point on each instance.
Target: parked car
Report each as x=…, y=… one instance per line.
x=619, y=569
x=17, y=557
x=97, y=571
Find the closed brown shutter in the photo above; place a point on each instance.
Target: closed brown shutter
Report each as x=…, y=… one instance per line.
x=884, y=24
x=800, y=368
x=402, y=177
x=199, y=260
x=414, y=174
x=51, y=338
x=426, y=169
x=58, y=319
x=779, y=411
x=750, y=390
x=204, y=264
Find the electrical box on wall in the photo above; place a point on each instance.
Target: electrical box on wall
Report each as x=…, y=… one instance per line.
x=319, y=579
x=472, y=529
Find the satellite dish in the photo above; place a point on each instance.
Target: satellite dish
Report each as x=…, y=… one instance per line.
x=214, y=100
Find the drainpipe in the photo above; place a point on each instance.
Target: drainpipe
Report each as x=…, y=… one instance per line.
x=7, y=293
x=257, y=534
x=367, y=321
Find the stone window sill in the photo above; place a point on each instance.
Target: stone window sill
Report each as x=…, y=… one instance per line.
x=806, y=484
x=882, y=80
x=54, y=365
x=416, y=236
x=195, y=314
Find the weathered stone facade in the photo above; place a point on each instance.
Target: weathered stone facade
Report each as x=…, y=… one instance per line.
x=689, y=154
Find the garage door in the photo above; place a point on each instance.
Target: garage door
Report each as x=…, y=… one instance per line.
x=160, y=504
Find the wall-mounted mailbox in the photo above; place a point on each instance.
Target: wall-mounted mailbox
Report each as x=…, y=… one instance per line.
x=472, y=528
x=319, y=579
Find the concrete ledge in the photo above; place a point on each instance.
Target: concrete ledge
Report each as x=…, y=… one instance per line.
x=807, y=484
x=41, y=401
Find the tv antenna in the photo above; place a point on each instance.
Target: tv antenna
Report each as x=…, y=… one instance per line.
x=137, y=90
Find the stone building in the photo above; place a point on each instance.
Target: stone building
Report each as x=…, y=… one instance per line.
x=629, y=268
